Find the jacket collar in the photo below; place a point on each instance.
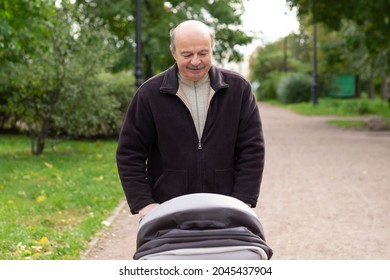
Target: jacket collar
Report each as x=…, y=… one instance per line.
x=170, y=83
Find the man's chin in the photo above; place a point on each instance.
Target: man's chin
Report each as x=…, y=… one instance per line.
x=197, y=72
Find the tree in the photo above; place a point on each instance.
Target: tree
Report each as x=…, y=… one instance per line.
x=365, y=29
x=368, y=20
x=269, y=63
x=22, y=31
x=158, y=17
x=276, y=56
x=52, y=52
x=53, y=86
x=22, y=25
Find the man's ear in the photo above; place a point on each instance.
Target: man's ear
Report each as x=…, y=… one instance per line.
x=173, y=53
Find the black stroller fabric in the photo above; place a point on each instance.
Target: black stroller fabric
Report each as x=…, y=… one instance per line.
x=201, y=226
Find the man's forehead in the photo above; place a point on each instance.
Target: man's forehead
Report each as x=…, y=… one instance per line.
x=193, y=43
x=184, y=51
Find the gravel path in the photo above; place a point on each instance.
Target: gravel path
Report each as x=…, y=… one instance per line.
x=325, y=193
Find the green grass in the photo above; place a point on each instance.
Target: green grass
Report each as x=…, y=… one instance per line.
x=362, y=107
x=52, y=205
x=341, y=107
x=348, y=124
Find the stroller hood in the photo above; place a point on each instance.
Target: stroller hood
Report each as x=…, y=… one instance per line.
x=205, y=225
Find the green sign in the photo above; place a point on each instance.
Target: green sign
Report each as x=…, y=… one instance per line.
x=343, y=86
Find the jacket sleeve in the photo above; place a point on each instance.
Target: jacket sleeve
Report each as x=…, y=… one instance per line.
x=135, y=139
x=249, y=151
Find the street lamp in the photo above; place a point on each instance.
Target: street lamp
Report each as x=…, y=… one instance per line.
x=138, y=62
x=285, y=50
x=315, y=75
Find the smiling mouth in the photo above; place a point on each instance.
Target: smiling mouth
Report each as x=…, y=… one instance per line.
x=195, y=68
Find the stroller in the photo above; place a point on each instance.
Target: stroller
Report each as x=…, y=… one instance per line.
x=201, y=226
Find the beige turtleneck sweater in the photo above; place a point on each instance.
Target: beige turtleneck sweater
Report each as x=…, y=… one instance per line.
x=196, y=96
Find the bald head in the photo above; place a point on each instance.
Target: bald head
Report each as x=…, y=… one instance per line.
x=192, y=48
x=190, y=29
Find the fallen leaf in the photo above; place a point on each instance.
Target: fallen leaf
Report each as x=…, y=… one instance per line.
x=48, y=165
x=40, y=198
x=43, y=240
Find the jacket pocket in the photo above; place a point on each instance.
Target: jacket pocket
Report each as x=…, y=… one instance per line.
x=224, y=181
x=171, y=184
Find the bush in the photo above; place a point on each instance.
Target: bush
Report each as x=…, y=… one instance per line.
x=97, y=109
x=294, y=88
x=120, y=86
x=267, y=88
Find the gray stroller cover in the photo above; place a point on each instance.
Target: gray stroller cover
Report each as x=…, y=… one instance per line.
x=201, y=226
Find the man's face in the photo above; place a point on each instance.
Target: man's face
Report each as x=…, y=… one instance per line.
x=193, y=53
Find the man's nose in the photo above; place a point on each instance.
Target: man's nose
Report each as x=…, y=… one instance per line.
x=195, y=60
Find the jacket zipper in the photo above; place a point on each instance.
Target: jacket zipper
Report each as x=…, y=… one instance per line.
x=199, y=135
x=198, y=117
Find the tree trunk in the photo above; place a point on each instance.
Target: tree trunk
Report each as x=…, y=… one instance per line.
x=371, y=89
x=285, y=54
x=385, y=89
x=37, y=145
x=357, y=86
x=38, y=138
x=149, y=67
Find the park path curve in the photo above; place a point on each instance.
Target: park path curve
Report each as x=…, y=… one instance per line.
x=325, y=193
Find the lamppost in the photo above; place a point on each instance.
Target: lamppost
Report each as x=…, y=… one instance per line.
x=285, y=50
x=138, y=63
x=314, y=92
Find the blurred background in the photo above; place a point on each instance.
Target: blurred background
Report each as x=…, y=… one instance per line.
x=69, y=69
x=82, y=55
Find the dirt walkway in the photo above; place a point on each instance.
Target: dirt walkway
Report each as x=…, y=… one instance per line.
x=325, y=193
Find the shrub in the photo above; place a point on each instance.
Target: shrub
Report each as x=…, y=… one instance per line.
x=97, y=109
x=267, y=88
x=119, y=86
x=294, y=88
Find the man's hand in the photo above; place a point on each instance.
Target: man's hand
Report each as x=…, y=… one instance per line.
x=144, y=211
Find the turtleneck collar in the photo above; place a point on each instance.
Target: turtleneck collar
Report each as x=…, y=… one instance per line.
x=187, y=82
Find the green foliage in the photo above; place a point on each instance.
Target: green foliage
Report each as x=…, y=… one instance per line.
x=22, y=26
x=354, y=113
x=370, y=18
x=267, y=89
x=53, y=90
x=288, y=54
x=294, y=88
x=105, y=100
x=119, y=86
x=51, y=206
x=348, y=124
x=275, y=60
x=158, y=17
x=52, y=51
x=344, y=107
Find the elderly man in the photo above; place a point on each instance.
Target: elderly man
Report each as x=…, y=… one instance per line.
x=192, y=128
